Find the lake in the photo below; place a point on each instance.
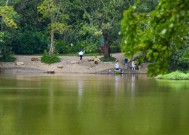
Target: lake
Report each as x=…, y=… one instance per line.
x=92, y=104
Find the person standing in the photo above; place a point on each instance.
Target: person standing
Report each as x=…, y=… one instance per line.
x=81, y=55
x=126, y=63
x=133, y=65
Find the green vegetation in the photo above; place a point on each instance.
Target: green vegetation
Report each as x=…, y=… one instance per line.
x=110, y=59
x=155, y=29
x=9, y=57
x=62, y=26
x=49, y=59
x=54, y=12
x=7, y=23
x=177, y=75
x=29, y=42
x=159, y=34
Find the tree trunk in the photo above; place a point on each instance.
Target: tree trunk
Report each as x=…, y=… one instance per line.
x=51, y=50
x=106, y=44
x=4, y=51
x=7, y=2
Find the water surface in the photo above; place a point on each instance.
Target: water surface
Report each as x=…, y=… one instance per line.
x=92, y=105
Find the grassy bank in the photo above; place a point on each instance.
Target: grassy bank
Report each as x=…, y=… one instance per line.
x=177, y=75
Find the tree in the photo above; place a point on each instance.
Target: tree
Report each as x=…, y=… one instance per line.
x=101, y=18
x=157, y=34
x=31, y=36
x=53, y=10
x=7, y=16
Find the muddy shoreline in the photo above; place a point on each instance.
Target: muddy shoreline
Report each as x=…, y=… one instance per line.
x=68, y=64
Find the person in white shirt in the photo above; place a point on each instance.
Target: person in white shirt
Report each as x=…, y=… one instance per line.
x=117, y=67
x=133, y=65
x=81, y=54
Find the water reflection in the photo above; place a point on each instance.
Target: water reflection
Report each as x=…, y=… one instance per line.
x=133, y=78
x=95, y=104
x=117, y=83
x=80, y=88
x=80, y=93
x=173, y=84
x=51, y=98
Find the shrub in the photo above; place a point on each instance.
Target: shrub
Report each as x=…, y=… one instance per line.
x=177, y=75
x=29, y=42
x=49, y=59
x=8, y=57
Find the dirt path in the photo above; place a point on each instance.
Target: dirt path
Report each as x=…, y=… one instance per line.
x=68, y=64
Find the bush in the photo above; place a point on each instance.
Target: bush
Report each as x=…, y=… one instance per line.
x=8, y=57
x=29, y=42
x=49, y=59
x=177, y=75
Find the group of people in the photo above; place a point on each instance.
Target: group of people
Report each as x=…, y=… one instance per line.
x=133, y=65
x=117, y=66
x=96, y=60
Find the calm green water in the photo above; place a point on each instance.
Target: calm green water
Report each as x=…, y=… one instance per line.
x=92, y=105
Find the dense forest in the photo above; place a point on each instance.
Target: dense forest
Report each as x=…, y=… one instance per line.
x=146, y=30
x=63, y=26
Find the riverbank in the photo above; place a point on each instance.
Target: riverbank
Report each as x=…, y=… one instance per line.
x=68, y=64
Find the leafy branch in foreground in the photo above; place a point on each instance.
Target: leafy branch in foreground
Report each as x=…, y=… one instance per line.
x=157, y=34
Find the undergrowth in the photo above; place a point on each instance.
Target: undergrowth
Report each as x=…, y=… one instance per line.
x=177, y=75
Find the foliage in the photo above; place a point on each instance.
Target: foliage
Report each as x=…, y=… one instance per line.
x=88, y=45
x=7, y=55
x=53, y=11
x=157, y=34
x=5, y=40
x=28, y=15
x=8, y=58
x=110, y=59
x=5, y=37
x=8, y=15
x=145, y=6
x=115, y=48
x=101, y=18
x=49, y=59
x=64, y=47
x=81, y=29
x=180, y=57
x=7, y=19
x=177, y=75
x=29, y=41
x=31, y=36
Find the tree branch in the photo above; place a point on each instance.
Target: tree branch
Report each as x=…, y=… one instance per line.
x=7, y=2
x=58, y=11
